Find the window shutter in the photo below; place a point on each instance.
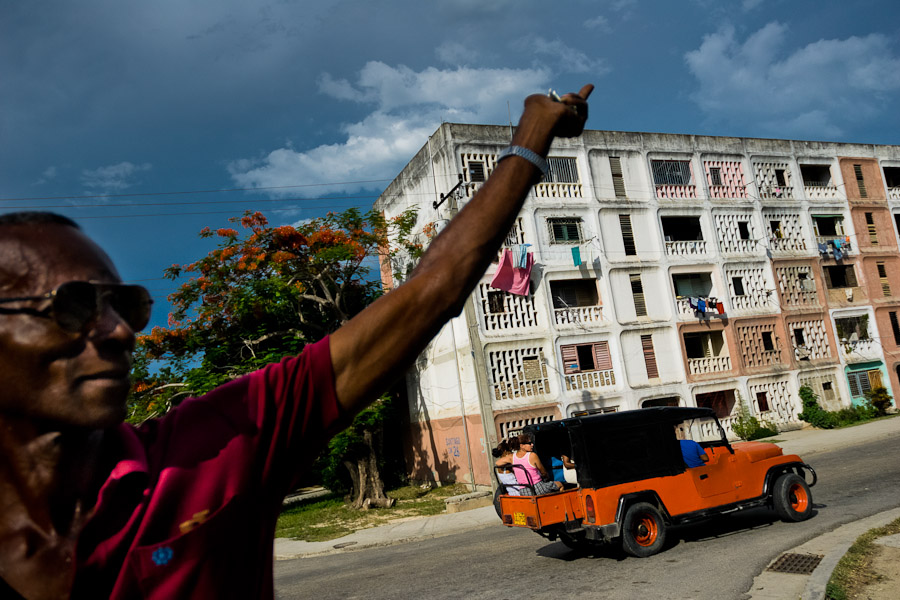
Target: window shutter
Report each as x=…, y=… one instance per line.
x=649, y=356
x=637, y=291
x=870, y=225
x=860, y=182
x=627, y=235
x=865, y=384
x=570, y=359
x=882, y=276
x=602, y=359
x=852, y=379
x=875, y=379
x=850, y=275
x=476, y=171
x=895, y=326
x=615, y=165
x=827, y=274
x=762, y=402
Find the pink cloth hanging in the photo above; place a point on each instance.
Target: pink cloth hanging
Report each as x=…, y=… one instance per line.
x=510, y=279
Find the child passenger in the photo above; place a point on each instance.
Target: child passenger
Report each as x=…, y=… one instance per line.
x=503, y=453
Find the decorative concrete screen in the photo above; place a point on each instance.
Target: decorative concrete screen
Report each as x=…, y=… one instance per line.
x=504, y=311
x=518, y=373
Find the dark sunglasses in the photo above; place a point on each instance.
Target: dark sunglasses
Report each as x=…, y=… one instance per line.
x=75, y=305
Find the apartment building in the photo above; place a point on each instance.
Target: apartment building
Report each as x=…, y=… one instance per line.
x=657, y=270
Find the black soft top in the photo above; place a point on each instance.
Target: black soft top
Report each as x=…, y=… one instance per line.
x=618, y=447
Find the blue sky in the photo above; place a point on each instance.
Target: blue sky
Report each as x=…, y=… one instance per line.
x=110, y=109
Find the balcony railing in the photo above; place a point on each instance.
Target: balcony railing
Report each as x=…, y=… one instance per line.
x=820, y=190
x=558, y=190
x=787, y=244
x=742, y=246
x=727, y=191
x=686, y=247
x=578, y=314
x=590, y=379
x=894, y=193
x=775, y=192
x=860, y=350
x=709, y=364
x=676, y=191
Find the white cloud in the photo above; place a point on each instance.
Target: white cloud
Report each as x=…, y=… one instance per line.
x=409, y=106
x=48, y=174
x=599, y=22
x=112, y=178
x=565, y=58
x=455, y=53
x=803, y=92
x=749, y=5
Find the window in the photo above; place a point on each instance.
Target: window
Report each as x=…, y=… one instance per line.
x=649, y=356
x=679, y=229
x=840, y=276
x=780, y=178
x=775, y=228
x=671, y=172
x=564, y=230
x=627, y=235
x=860, y=182
x=806, y=283
x=828, y=225
x=870, y=225
x=743, y=229
x=561, y=170
x=862, y=382
x=768, y=342
x=722, y=402
x=799, y=336
x=697, y=285
x=883, y=279
x=637, y=291
x=895, y=326
x=892, y=176
x=531, y=368
x=580, y=358
x=852, y=329
x=476, y=171
x=737, y=283
x=703, y=345
x=569, y=293
x=715, y=175
x=496, y=303
x=816, y=175
x=615, y=165
x=762, y=402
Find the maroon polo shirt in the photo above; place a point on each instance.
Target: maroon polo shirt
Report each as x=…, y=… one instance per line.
x=189, y=507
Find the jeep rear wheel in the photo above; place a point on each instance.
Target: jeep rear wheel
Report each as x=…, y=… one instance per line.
x=792, y=498
x=643, y=531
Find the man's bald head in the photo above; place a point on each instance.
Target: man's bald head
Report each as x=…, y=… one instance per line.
x=17, y=261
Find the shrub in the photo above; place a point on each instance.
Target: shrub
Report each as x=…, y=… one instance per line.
x=747, y=427
x=880, y=400
x=814, y=414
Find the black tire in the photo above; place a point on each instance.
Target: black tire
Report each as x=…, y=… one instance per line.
x=643, y=530
x=497, y=495
x=792, y=498
x=575, y=542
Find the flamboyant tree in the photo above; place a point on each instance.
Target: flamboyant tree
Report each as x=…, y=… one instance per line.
x=264, y=293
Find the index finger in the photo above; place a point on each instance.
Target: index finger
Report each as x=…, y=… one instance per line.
x=586, y=91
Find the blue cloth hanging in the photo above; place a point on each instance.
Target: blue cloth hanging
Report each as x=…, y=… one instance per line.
x=692, y=302
x=576, y=256
x=823, y=248
x=522, y=255
x=838, y=243
x=701, y=305
x=838, y=255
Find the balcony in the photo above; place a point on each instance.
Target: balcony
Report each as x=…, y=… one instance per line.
x=558, y=190
x=686, y=247
x=860, y=350
x=727, y=192
x=894, y=193
x=676, y=191
x=787, y=244
x=576, y=315
x=590, y=379
x=820, y=190
x=709, y=364
x=773, y=192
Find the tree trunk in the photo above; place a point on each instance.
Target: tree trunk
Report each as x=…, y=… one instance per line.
x=368, y=487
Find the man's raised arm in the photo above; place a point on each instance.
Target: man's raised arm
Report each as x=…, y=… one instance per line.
x=377, y=345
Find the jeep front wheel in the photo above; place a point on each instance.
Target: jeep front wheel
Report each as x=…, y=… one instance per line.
x=792, y=498
x=643, y=531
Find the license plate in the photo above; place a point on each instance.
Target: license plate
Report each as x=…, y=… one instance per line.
x=519, y=518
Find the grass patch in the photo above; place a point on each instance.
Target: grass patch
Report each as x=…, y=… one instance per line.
x=854, y=571
x=327, y=518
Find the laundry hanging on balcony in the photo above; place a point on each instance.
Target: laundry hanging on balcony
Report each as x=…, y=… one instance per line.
x=520, y=255
x=707, y=306
x=823, y=249
x=576, y=256
x=513, y=279
x=838, y=255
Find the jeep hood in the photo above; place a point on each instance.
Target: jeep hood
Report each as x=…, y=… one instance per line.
x=757, y=451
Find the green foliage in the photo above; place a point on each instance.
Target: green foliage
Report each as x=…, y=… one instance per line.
x=747, y=427
x=816, y=416
x=880, y=400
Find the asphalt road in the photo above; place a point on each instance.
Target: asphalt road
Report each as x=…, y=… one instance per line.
x=716, y=560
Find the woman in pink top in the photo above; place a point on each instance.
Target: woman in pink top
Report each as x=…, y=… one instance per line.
x=530, y=463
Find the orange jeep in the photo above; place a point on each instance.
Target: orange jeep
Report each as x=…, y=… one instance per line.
x=633, y=482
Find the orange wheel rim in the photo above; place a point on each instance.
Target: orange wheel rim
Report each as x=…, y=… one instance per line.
x=645, y=530
x=798, y=497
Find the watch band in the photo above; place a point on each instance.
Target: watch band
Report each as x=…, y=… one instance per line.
x=529, y=155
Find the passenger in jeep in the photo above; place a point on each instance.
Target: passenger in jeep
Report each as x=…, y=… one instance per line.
x=693, y=453
x=532, y=471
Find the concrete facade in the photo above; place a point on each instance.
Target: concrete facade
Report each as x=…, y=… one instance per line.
x=793, y=242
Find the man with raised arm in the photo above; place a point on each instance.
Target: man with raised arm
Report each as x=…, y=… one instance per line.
x=185, y=506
